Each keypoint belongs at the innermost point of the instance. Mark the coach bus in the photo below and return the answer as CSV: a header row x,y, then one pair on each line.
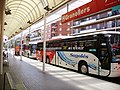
x,y
29,50
94,53
32,53
26,50
17,46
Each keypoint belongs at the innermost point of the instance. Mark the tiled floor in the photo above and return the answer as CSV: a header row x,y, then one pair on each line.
x,y
29,72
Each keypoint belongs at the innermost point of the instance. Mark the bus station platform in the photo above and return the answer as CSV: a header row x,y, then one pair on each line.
x,y
28,75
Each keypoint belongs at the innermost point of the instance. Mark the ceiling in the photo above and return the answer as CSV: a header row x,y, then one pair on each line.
x,y
20,14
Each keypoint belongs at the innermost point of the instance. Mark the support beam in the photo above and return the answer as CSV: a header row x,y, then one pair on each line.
x,y
2,11
44,43
21,47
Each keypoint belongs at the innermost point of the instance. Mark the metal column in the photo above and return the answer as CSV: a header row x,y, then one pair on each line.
x,y
44,43
2,10
21,48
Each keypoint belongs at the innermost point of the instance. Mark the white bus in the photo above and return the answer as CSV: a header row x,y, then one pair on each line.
x,y
94,53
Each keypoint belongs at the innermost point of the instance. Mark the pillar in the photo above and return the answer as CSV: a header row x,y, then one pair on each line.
x,y
2,11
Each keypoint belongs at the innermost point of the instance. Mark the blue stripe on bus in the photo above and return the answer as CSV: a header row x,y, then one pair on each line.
x,y
62,57
69,61
93,66
65,59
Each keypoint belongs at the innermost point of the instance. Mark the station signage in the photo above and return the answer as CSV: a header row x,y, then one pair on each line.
x,y
89,8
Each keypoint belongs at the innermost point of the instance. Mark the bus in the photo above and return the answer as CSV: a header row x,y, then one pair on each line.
x,y
93,53
25,50
17,46
35,36
29,50
32,53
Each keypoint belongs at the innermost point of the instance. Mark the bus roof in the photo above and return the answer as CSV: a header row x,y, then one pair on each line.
x,y
59,38
35,42
94,33
80,35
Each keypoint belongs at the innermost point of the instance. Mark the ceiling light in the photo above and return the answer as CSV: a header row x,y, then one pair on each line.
x,y
16,32
7,11
21,28
29,22
5,23
47,8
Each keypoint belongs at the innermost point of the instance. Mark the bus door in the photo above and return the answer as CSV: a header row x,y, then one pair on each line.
x,y
91,46
104,55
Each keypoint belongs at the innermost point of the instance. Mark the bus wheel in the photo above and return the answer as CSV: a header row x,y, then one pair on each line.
x,y
83,68
47,60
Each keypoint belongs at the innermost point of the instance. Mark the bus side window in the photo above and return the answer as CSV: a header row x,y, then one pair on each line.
x,y
65,47
74,45
88,45
39,46
69,46
91,46
81,45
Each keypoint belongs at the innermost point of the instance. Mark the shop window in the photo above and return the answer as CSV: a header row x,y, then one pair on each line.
x,y
68,29
60,29
68,23
109,13
118,22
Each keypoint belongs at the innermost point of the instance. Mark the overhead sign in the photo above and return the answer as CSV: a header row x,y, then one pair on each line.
x,y
89,8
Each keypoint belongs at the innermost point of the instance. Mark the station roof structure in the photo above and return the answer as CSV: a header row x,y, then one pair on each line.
x,y
20,14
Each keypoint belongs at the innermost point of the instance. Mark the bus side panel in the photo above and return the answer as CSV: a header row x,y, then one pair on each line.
x,y
64,59
53,59
32,50
51,55
26,53
39,55
57,58
115,70
71,60
17,50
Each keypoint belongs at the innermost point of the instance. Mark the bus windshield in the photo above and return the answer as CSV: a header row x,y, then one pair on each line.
x,y
115,47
